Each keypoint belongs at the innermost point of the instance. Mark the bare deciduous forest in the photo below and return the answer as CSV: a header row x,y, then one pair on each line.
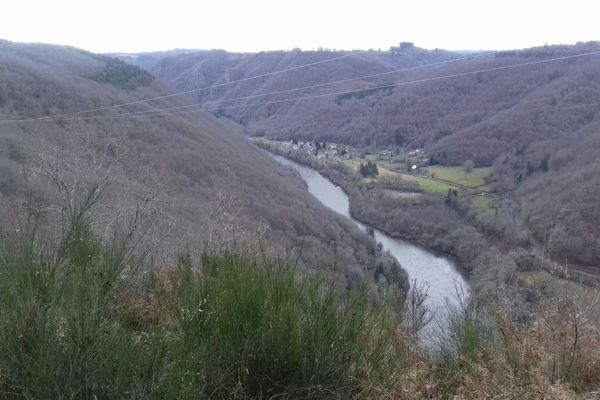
x,y
149,254
204,185
537,125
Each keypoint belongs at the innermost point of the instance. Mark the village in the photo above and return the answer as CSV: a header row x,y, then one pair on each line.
x,y
411,165
414,160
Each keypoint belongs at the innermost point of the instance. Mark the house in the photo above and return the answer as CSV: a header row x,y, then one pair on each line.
x,y
413,168
385,154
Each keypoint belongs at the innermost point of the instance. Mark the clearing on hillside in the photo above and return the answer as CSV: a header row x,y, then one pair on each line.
x,y
458,175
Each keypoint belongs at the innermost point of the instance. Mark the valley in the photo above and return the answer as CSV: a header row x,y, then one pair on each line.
x,y
378,195
410,166
524,114
202,185
436,275
403,223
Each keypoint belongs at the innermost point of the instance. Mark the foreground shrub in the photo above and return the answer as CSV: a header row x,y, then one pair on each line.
x,y
80,320
251,329
232,327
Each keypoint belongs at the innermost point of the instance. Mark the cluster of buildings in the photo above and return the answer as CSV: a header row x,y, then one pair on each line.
x,y
319,149
414,159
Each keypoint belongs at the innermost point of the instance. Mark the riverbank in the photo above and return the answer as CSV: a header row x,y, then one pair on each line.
x,y
467,222
352,190
437,277
434,222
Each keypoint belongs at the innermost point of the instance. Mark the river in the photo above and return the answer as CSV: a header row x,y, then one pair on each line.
x,y
436,273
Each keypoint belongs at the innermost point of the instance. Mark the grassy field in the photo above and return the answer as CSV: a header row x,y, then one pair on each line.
x,y
396,194
384,172
427,185
351,165
457,175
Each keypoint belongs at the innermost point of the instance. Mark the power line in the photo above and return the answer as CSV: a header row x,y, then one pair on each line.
x,y
386,86
412,82
159,112
290,90
318,85
195,90
58,116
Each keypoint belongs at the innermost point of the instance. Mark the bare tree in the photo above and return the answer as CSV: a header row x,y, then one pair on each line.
x,y
468,166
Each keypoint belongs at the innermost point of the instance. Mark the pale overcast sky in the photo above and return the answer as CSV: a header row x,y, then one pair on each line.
x,y
254,25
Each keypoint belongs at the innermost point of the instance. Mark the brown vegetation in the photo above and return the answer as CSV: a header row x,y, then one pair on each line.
x,y
204,185
536,124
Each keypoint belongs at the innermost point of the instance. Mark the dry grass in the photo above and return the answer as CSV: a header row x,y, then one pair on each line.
x,y
459,176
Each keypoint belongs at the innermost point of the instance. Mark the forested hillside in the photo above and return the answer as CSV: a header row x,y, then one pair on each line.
x,y
532,114
477,116
198,185
150,250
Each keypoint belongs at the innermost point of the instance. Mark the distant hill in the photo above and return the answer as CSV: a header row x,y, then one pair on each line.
x,y
148,60
208,185
537,124
477,116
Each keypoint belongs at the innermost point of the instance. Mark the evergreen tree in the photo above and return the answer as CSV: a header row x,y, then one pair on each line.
x,y
362,169
369,170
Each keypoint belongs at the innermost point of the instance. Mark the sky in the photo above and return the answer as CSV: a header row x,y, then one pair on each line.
x,y
256,25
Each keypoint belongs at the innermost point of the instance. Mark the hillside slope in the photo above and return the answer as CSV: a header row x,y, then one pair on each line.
x,y
205,185
477,116
533,114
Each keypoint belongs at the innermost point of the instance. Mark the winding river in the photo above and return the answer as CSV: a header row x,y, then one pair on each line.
x,y
437,274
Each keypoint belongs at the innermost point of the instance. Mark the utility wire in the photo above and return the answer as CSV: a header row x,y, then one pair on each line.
x,y
318,85
193,90
159,112
386,86
53,117
412,82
